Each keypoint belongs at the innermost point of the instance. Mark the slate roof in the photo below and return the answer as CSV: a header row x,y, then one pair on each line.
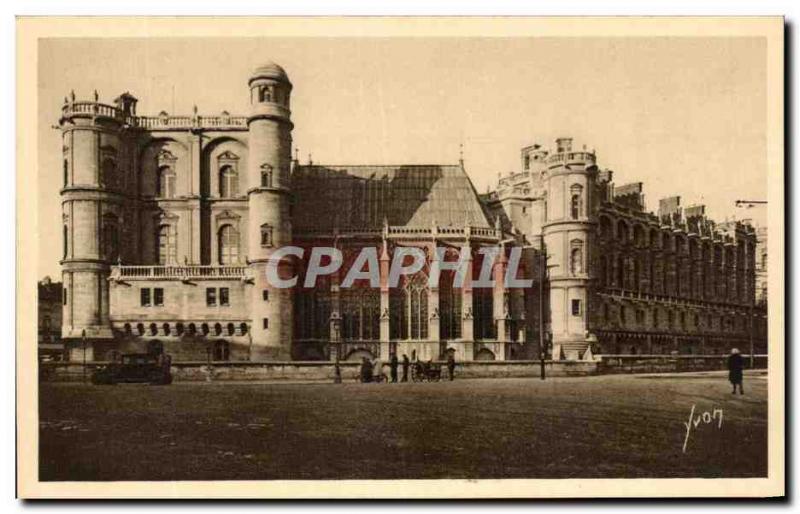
x,y
360,197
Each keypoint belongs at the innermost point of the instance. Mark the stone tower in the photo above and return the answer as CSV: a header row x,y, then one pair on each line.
x,y
269,197
91,197
568,230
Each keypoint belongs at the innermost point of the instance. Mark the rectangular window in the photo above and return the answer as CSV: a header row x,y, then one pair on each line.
x,y
224,296
266,323
145,297
265,295
64,296
576,307
211,296
158,296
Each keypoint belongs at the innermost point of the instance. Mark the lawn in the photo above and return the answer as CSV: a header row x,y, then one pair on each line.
x,y
605,426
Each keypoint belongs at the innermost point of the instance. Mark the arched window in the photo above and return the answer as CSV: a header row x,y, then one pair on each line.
x,y
576,258
449,307
166,182
167,247
409,306
228,240
360,311
266,235
266,175
264,94
228,182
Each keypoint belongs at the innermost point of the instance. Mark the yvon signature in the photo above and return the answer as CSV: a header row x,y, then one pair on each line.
x,y
706,418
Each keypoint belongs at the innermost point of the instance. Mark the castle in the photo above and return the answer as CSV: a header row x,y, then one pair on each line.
x,y
169,222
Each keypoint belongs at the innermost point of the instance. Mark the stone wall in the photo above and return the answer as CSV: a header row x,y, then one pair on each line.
x,y
323,371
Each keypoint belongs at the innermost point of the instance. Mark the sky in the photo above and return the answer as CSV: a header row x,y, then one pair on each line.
x,y
686,116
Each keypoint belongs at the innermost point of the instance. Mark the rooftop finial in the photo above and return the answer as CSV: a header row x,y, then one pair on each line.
x,y
96,96
310,162
461,154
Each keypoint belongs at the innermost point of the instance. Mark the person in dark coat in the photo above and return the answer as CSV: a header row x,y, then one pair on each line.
x,y
406,364
735,365
366,370
393,367
451,365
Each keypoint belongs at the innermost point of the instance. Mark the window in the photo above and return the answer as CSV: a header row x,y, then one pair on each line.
x,y
266,175
64,295
527,162
224,298
622,315
228,182
670,319
266,235
222,351
265,295
683,320
66,173
144,297
158,296
66,241
228,245
576,260
639,316
264,94
409,308
111,239
167,249
575,206
108,172
166,182
360,311
576,307
655,318
265,322
211,296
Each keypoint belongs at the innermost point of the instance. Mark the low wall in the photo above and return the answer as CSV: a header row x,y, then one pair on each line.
x,y
610,364
323,371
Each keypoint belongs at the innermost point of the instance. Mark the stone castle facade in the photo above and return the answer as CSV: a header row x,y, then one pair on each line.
x,y
169,221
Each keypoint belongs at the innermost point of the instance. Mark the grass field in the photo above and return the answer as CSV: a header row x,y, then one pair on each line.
x,y
606,426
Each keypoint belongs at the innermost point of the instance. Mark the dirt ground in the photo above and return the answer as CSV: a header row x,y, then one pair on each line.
x,y
599,427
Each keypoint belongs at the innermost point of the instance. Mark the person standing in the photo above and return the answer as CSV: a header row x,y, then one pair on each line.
x,y
393,367
451,365
406,364
735,365
366,370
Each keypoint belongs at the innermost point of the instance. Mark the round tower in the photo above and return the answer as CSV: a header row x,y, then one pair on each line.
x,y
269,197
90,238
568,231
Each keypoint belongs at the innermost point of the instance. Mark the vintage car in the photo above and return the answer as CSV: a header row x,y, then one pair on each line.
x,y
135,367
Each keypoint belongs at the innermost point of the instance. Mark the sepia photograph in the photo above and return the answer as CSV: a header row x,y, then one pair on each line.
x,y
367,252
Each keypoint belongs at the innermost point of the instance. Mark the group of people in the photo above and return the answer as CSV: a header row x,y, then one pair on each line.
x,y
373,371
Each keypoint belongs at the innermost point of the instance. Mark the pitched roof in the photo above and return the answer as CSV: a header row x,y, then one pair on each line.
x,y
361,197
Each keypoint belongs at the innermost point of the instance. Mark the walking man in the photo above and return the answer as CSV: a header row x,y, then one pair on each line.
x,y
393,367
451,365
406,363
735,365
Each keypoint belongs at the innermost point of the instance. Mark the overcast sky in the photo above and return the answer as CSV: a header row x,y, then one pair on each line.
x,y
686,116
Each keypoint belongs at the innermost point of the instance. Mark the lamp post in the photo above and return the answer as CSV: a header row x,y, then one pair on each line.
x,y
83,343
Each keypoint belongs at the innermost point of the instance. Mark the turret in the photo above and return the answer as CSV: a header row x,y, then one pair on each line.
x,y
270,144
92,217
568,229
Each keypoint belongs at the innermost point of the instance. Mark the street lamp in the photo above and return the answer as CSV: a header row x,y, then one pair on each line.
x,y
83,342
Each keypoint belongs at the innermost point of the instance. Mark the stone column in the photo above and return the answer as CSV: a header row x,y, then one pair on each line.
x,y
384,268
500,303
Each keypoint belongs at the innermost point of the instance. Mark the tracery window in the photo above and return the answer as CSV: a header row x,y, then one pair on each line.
x,y
409,309
313,311
449,307
483,312
360,312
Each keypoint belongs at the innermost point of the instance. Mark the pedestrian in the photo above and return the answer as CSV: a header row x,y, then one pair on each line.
x,y
337,372
406,364
393,367
377,371
366,370
735,365
451,365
